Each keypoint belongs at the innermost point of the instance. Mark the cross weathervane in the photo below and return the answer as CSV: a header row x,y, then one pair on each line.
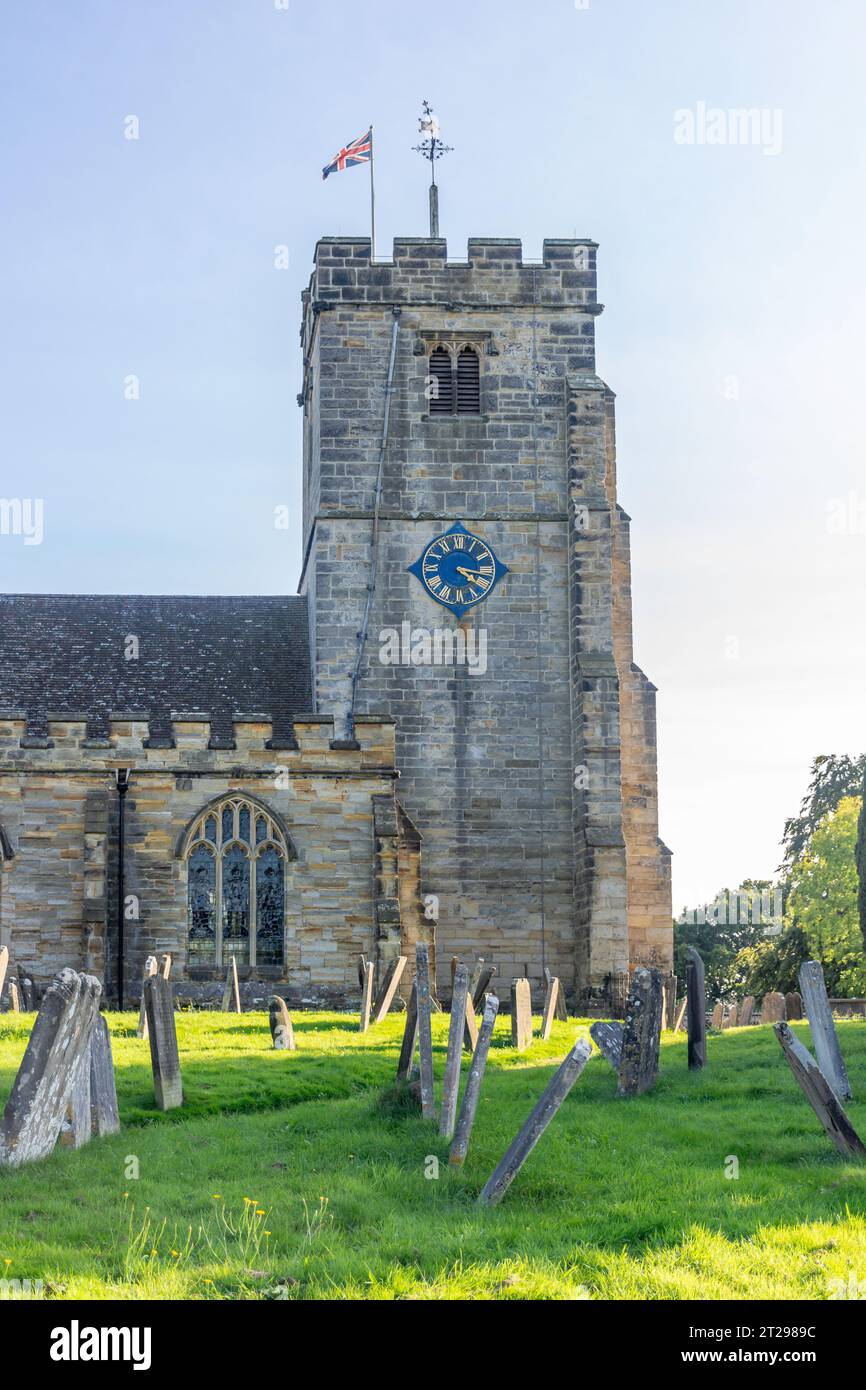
x,y
432,148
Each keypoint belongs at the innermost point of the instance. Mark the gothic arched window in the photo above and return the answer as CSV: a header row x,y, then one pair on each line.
x,y
454,380
236,885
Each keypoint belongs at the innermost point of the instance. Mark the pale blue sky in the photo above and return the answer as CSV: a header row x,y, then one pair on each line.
x,y
155,258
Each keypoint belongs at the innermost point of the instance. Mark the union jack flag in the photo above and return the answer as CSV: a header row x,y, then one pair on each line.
x,y
359,151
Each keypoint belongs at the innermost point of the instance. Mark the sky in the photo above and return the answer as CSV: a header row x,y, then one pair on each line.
x,y
149,325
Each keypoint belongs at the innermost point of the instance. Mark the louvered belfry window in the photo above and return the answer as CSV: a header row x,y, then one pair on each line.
x,y
441,382
454,381
468,382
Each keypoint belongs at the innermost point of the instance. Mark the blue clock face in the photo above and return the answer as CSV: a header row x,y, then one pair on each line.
x,y
458,569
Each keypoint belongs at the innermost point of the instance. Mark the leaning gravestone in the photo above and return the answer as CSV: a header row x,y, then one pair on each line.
x,y
282,1032
773,1007
521,1014
451,1082
718,1016
747,1008
366,997
470,1031
410,1037
608,1039
388,988
543,1112
150,968
730,1019
823,1029
4,966
696,1010
57,1051
551,1003
76,1126
485,975
641,1034
469,1105
164,1058
165,966
681,1013
14,1003
819,1094
425,1039
104,1115
669,1000
793,1006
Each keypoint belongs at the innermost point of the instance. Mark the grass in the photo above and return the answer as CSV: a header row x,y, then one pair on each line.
x,y
292,1175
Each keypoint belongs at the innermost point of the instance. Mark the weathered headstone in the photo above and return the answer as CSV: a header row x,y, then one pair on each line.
x,y
76,1127
823,1029
521,1014
641,1034
164,1058
366,997
282,1032
746,1009
718,1015
470,1031
150,968
25,989
57,1050
696,1010
608,1039
14,1002
231,989
425,1039
819,1094
543,1112
410,1037
773,1007
388,988
451,1081
4,966
104,1114
165,966
560,1011
362,971
730,1019
551,1000
669,1000
793,1006
485,975
681,1013
469,1105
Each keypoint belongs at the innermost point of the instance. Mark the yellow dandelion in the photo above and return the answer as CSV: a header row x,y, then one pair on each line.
x,y
7,1262
260,1211
267,1233
217,1196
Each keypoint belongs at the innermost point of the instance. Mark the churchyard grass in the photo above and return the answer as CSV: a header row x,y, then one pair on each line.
x,y
299,1175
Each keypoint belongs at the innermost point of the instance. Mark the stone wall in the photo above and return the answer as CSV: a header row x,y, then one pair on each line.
x,y
58,806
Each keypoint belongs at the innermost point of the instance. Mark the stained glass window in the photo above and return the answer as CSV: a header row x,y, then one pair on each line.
x,y
236,891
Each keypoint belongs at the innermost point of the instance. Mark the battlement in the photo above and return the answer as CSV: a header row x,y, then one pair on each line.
x,y
494,273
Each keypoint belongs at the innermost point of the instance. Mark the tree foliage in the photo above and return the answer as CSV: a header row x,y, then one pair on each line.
x,y
823,900
774,963
834,776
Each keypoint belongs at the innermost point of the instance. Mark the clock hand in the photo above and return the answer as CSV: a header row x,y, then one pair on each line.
x,y
468,574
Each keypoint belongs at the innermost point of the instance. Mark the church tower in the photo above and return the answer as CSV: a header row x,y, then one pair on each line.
x,y
466,565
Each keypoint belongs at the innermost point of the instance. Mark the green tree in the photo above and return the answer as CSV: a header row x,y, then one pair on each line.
x,y
860,861
823,901
719,932
774,963
834,776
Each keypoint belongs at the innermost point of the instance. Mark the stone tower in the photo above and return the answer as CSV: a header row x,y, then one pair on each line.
x,y
440,392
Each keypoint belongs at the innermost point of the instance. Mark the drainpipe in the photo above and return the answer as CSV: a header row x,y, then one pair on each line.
x,y
122,775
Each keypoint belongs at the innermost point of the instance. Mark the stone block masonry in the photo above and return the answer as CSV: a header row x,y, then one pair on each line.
x,y
532,784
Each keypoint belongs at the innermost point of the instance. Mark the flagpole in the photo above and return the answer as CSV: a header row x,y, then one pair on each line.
x,y
372,203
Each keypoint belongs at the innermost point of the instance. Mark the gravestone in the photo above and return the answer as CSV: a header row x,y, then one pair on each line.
x,y
362,971
608,1039
57,1050
14,1002
669,1000
282,1032
730,1019
819,1094
823,1029
551,1001
521,1014
410,1037
164,1058
747,1008
718,1016
165,966
793,1006
425,1040
76,1127
466,1118
681,1013
25,989
485,975
696,1010
451,1082
388,988
104,1114
4,966
150,968
773,1007
543,1112
232,989
366,997
641,1034
470,1031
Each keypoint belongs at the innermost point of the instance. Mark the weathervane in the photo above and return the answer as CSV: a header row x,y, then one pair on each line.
x,y
431,148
